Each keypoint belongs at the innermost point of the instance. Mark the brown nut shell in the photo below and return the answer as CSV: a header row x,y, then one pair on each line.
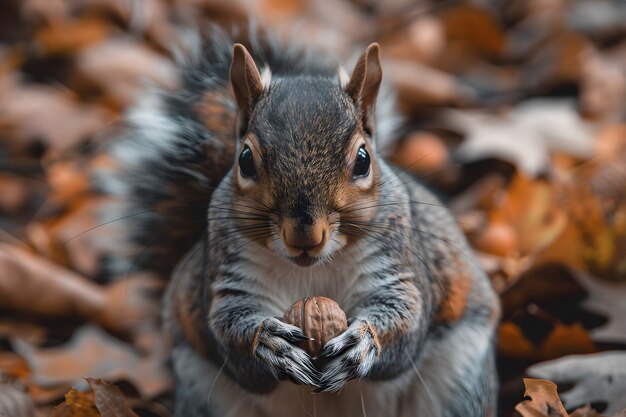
x,y
320,318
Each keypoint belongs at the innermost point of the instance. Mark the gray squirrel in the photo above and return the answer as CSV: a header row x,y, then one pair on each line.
x,y
260,183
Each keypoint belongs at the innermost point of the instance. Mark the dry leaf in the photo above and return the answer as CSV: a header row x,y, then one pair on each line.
x,y
109,399
92,352
26,116
512,343
121,69
77,404
13,366
597,377
80,236
566,340
71,36
525,136
608,299
544,400
123,307
60,292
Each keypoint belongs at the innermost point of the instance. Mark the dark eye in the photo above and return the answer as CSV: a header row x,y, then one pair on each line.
x,y
246,163
362,163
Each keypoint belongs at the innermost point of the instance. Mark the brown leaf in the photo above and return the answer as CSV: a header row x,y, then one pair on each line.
x,y
12,365
26,117
59,292
421,86
472,33
70,36
109,399
15,193
122,307
120,69
512,343
91,351
77,404
77,237
544,400
566,340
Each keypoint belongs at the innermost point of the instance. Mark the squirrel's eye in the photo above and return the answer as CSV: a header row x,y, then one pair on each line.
x,y
362,163
246,163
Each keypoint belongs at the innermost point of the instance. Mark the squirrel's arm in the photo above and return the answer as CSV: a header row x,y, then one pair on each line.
x,y
385,334
259,349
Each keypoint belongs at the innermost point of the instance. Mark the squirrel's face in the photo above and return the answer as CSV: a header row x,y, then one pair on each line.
x,y
306,175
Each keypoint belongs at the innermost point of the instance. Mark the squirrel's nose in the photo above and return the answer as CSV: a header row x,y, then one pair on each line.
x,y
299,240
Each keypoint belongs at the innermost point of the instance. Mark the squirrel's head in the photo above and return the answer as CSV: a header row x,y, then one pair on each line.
x,y
306,176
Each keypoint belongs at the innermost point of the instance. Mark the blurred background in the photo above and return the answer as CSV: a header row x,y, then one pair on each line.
x,y
514,110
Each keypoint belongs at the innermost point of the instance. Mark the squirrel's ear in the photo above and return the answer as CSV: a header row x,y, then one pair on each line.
x,y
364,84
246,82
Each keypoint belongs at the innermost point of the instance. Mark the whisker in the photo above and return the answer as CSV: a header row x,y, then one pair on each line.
x,y
362,401
105,223
426,388
219,372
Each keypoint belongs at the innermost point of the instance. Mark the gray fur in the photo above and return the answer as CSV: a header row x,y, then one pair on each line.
x,y
232,355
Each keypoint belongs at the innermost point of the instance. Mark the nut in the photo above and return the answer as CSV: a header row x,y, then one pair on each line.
x,y
320,318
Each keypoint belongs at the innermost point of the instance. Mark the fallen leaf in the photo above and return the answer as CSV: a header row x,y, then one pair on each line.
x,y
69,36
544,400
80,236
27,119
597,377
60,292
565,340
92,352
524,136
13,366
608,299
512,343
122,307
77,404
120,68
109,399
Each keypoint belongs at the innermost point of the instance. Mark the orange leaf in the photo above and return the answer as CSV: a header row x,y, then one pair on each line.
x,y
76,404
512,343
544,400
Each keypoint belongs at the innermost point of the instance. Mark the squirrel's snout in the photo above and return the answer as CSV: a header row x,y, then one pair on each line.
x,y
308,240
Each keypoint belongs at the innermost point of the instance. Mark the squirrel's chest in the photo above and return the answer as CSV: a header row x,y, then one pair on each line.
x,y
282,283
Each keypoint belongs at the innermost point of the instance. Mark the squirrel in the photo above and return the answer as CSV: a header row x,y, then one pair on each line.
x,y
259,182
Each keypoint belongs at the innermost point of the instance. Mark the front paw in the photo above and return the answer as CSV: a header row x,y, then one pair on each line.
x,y
351,355
273,345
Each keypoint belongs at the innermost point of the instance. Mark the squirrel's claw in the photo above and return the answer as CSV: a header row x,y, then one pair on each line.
x,y
272,345
353,355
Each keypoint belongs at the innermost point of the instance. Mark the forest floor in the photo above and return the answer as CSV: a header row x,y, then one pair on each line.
x,y
515,112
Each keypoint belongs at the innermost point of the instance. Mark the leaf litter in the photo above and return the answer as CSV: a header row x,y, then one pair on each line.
x,y
514,112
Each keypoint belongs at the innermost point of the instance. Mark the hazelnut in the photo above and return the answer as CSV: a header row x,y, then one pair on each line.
x,y
320,318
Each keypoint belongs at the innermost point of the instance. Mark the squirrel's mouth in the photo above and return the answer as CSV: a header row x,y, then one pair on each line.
x,y
304,259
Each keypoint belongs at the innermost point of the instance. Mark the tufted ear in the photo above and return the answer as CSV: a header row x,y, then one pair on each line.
x,y
364,84
246,82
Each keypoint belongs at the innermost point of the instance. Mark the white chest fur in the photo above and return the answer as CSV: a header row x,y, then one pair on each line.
x,y
344,279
